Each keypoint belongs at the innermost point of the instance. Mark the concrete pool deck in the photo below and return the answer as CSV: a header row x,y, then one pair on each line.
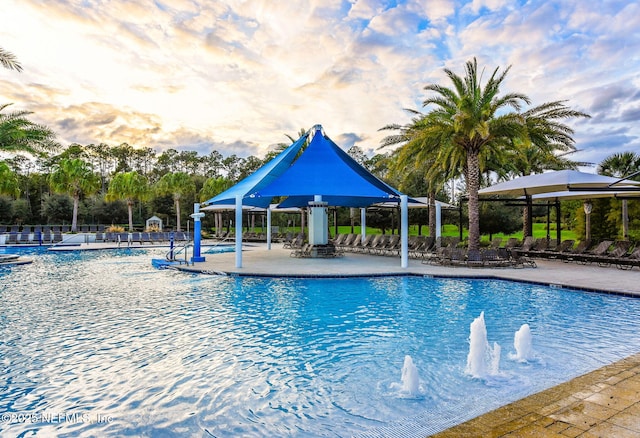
x,y
602,403
258,260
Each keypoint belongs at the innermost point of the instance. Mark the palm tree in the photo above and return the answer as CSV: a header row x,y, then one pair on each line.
x,y
178,185
472,129
9,184
9,60
212,187
75,178
621,165
130,186
417,157
469,123
17,133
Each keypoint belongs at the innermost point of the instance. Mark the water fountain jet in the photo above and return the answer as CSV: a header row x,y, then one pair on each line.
x,y
522,343
482,359
410,378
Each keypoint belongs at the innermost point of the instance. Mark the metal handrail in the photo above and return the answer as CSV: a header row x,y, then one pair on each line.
x,y
172,253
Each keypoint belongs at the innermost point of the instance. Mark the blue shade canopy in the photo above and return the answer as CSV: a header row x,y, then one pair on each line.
x,y
260,178
325,169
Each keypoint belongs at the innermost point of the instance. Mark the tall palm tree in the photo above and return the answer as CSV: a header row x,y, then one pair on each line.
x,y
468,123
178,185
9,60
9,184
212,187
17,133
621,165
472,129
417,157
130,186
75,178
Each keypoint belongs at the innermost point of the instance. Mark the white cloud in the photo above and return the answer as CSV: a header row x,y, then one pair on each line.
x,y
245,72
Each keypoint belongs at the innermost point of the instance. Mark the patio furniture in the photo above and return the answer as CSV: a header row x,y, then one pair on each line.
x,y
475,258
598,251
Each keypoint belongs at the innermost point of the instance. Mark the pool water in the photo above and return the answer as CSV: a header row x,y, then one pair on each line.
x,y
99,343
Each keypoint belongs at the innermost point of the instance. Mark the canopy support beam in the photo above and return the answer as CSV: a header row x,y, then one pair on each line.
x,y
238,231
404,231
269,228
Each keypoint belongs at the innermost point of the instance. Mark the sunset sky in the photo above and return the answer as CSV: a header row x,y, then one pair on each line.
x,y
237,75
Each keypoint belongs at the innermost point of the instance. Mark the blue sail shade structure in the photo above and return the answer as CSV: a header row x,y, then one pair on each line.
x,y
260,178
322,172
326,170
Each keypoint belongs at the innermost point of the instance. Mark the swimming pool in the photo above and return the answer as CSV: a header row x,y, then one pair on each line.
x,y
100,343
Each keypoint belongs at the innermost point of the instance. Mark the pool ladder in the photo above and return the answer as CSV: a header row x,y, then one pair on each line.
x,y
172,254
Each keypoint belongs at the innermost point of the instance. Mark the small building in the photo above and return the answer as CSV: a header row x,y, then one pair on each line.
x,y
154,223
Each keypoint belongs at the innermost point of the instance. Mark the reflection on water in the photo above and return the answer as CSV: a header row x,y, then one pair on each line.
x,y
99,343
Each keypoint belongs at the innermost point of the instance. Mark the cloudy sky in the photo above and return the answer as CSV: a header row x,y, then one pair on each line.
x,y
237,75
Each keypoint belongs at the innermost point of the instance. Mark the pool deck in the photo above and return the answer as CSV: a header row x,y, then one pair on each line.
x,y
257,260
602,403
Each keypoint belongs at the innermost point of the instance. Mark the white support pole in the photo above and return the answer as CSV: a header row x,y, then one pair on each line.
x,y
238,231
404,230
268,227
438,220
363,224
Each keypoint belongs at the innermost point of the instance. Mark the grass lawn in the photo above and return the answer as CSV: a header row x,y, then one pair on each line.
x,y
539,230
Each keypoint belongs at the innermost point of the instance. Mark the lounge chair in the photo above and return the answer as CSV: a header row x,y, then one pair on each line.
x,y
421,246
437,256
347,241
360,245
630,260
505,255
521,260
527,244
378,244
25,238
490,257
286,242
294,242
458,257
538,247
568,256
122,238
495,243
303,251
598,252
475,258
512,242
337,241
564,247
11,238
145,237
46,236
135,237
354,243
620,250
450,241
393,246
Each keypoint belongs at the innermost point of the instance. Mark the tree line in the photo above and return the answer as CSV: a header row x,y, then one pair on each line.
x,y
470,132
